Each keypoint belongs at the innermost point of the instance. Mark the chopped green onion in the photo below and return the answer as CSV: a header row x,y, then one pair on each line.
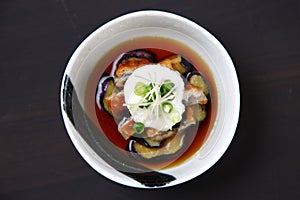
x,y
151,98
171,97
175,116
163,90
158,97
167,107
169,84
151,86
141,89
138,127
166,87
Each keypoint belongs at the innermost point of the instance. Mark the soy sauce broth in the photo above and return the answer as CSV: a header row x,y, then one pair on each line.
x,y
162,48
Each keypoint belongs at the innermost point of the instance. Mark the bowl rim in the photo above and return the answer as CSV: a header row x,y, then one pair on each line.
x,y
82,146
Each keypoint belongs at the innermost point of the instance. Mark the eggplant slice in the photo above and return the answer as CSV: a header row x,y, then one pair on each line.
x,y
139,53
170,146
105,89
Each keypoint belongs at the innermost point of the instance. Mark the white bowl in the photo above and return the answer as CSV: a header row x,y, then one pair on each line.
x,y
80,120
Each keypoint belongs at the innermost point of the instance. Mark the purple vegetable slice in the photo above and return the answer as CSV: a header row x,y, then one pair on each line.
x,y
187,64
139,53
104,90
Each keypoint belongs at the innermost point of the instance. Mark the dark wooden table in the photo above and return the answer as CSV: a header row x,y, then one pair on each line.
x,y
37,158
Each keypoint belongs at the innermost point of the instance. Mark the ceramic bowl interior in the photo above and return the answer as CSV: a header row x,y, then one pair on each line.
x,y
99,49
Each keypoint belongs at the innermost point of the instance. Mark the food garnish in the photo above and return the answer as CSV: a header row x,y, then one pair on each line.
x,y
154,102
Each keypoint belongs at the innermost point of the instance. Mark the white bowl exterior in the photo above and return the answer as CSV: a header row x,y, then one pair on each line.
x,y
162,24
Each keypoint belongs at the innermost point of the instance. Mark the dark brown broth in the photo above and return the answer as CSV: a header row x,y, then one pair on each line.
x,y
194,141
